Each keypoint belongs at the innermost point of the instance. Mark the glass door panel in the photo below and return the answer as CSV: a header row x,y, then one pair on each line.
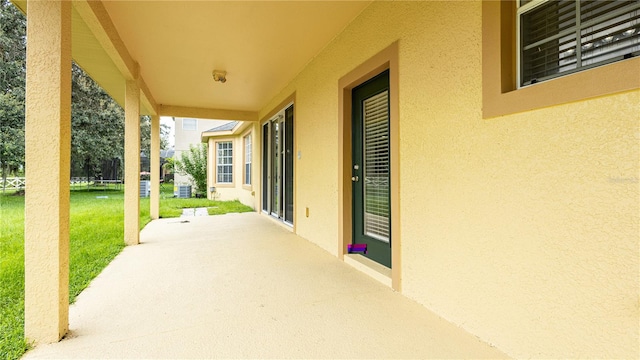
x,y
275,168
288,165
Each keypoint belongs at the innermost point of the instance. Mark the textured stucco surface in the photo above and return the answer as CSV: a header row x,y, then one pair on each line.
x,y
186,138
522,229
132,165
237,190
48,151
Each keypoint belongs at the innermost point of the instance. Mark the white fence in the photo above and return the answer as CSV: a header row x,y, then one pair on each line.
x,y
18,183
15,183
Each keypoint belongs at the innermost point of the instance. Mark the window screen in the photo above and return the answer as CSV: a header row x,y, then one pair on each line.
x,y
562,37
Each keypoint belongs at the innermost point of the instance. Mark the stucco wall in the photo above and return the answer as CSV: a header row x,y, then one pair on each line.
x,y
521,229
184,138
237,190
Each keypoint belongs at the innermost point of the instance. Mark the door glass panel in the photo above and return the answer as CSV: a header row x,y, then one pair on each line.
x,y
288,165
265,167
275,167
376,166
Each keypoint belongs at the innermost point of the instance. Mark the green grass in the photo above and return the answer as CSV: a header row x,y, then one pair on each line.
x,y
12,344
172,207
96,237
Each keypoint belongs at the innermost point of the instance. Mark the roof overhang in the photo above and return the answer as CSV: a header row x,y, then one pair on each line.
x,y
240,128
170,48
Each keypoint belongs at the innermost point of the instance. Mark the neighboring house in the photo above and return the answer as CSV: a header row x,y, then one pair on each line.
x,y
187,132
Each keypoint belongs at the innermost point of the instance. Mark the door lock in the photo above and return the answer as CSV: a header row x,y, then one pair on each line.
x,y
354,178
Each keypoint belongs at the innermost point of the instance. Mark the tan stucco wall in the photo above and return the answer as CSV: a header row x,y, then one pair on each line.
x,y
237,190
184,138
521,229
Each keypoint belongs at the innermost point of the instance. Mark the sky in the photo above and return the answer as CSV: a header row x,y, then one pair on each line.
x,y
168,120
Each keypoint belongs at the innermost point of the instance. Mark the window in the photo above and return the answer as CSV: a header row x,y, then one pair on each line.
x,y
189,124
247,160
502,91
560,37
224,161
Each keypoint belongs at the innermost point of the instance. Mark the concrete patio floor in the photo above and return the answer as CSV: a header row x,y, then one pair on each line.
x,y
240,286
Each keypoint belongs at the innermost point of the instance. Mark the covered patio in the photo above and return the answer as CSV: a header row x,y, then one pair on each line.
x,y
248,289
509,209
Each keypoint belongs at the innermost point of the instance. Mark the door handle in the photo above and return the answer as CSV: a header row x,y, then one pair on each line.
x,y
354,178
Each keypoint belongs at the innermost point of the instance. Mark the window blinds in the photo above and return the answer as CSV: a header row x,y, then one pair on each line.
x,y
565,36
376,166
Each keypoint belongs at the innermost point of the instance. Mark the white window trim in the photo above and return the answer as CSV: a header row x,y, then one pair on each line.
x,y
218,143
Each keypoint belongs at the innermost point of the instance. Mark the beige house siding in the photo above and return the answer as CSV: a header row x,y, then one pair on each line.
x,y
522,229
184,138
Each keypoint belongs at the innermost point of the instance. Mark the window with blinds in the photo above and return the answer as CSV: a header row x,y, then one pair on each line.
x,y
560,37
376,166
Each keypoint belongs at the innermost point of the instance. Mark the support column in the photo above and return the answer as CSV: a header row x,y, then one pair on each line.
x,y
132,164
155,167
48,157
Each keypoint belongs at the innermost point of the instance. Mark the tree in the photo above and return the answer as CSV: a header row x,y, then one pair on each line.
x,y
194,164
97,125
13,49
12,87
97,121
145,135
168,165
97,131
11,135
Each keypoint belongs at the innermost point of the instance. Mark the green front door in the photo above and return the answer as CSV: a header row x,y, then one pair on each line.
x,y
371,168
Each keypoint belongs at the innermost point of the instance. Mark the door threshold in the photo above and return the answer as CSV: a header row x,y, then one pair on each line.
x,y
369,267
278,221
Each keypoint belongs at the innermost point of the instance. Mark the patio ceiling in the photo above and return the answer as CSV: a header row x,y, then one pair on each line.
x,y
175,46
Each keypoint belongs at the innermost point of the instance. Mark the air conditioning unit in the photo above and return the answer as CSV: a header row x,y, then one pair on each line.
x,y
182,191
145,188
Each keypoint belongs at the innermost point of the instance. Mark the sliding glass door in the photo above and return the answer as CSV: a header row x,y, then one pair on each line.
x,y
277,166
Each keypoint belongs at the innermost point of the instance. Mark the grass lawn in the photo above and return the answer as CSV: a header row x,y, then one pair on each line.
x,y
96,237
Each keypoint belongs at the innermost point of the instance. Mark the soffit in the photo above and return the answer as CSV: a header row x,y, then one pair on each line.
x,y
175,46
262,45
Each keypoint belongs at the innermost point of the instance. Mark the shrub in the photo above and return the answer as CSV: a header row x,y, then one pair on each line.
x,y
194,164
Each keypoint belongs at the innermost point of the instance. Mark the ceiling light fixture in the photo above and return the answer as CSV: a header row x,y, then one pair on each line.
x,y
219,75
